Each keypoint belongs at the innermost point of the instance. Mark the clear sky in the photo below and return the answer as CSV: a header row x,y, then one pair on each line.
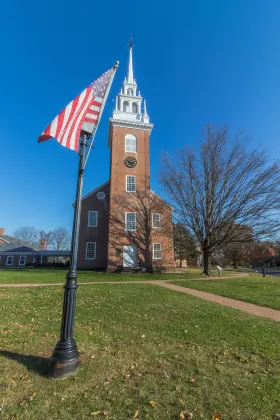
x,y
195,62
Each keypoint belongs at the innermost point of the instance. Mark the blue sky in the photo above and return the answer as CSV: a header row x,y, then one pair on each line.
x,y
195,62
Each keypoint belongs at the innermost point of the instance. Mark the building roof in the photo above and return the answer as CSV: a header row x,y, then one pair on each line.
x,y
8,243
16,248
53,253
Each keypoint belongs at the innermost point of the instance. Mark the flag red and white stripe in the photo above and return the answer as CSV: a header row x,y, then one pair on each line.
x,y
66,127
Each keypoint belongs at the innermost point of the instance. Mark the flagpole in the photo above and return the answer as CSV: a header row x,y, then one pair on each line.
x,y
101,109
65,358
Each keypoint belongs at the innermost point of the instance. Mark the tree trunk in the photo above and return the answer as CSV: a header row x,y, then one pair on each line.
x,y
235,264
181,262
206,262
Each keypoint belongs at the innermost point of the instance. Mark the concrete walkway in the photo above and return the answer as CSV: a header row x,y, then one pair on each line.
x,y
250,308
122,282
232,303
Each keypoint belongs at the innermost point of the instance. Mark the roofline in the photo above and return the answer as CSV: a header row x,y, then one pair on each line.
x,y
172,208
35,253
5,240
93,191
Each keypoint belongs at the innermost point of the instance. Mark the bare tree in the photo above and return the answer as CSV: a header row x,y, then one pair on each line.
x,y
45,240
27,234
222,187
61,238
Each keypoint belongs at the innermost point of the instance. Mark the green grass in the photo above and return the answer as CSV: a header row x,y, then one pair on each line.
x,y
264,291
34,275
138,343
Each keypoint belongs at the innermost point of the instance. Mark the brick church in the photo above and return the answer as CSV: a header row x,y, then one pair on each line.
x,y
124,224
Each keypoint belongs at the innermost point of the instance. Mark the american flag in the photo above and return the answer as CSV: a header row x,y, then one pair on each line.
x,y
66,127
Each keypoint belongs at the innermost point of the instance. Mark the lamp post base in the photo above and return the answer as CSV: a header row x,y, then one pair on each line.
x,y
65,359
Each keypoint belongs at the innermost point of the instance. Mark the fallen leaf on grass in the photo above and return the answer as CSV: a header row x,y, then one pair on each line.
x,y
192,380
136,414
32,395
12,381
99,413
153,403
184,415
216,416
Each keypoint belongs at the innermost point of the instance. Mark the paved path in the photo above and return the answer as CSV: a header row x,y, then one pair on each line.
x,y
121,282
232,303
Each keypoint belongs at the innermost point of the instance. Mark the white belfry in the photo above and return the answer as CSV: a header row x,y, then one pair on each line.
x,y
129,102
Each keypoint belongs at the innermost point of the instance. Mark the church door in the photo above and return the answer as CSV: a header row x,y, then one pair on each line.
x,y
130,256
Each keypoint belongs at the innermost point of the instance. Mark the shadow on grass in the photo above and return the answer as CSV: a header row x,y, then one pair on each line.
x,y
37,364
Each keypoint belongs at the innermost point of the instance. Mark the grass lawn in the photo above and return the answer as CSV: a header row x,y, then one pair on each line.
x,y
264,291
34,275
145,350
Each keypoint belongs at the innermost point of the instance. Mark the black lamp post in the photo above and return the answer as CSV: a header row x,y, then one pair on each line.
x,y
65,358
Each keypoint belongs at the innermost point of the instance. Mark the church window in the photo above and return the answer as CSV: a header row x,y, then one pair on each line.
x,y
130,183
130,91
134,108
157,255
90,250
125,106
92,218
130,221
130,143
156,220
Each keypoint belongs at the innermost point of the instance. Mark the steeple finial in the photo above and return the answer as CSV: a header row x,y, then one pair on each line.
x,y
130,66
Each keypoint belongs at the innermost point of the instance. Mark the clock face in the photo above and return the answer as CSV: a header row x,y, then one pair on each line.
x,y
130,162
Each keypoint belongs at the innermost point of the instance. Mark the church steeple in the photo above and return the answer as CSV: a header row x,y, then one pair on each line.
x,y
130,65
129,101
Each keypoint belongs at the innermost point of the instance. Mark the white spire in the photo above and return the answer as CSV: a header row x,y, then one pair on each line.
x,y
130,65
129,101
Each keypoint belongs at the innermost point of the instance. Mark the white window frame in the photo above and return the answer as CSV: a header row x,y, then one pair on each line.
x,y
128,147
158,221
126,221
7,259
158,250
88,258
130,184
22,256
96,218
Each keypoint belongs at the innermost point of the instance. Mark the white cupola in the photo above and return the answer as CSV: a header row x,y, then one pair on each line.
x,y
129,102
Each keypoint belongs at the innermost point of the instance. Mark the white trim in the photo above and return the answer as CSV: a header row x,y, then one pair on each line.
x,y
10,256
156,214
157,258
22,256
126,183
126,213
94,250
96,218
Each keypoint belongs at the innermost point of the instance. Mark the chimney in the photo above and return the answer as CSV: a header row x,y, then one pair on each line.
x,y
2,231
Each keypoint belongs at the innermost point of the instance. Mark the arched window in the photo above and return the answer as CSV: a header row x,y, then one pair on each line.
x,y
130,143
130,91
134,108
125,106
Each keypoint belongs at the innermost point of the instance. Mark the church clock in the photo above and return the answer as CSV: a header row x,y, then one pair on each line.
x,y
130,162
